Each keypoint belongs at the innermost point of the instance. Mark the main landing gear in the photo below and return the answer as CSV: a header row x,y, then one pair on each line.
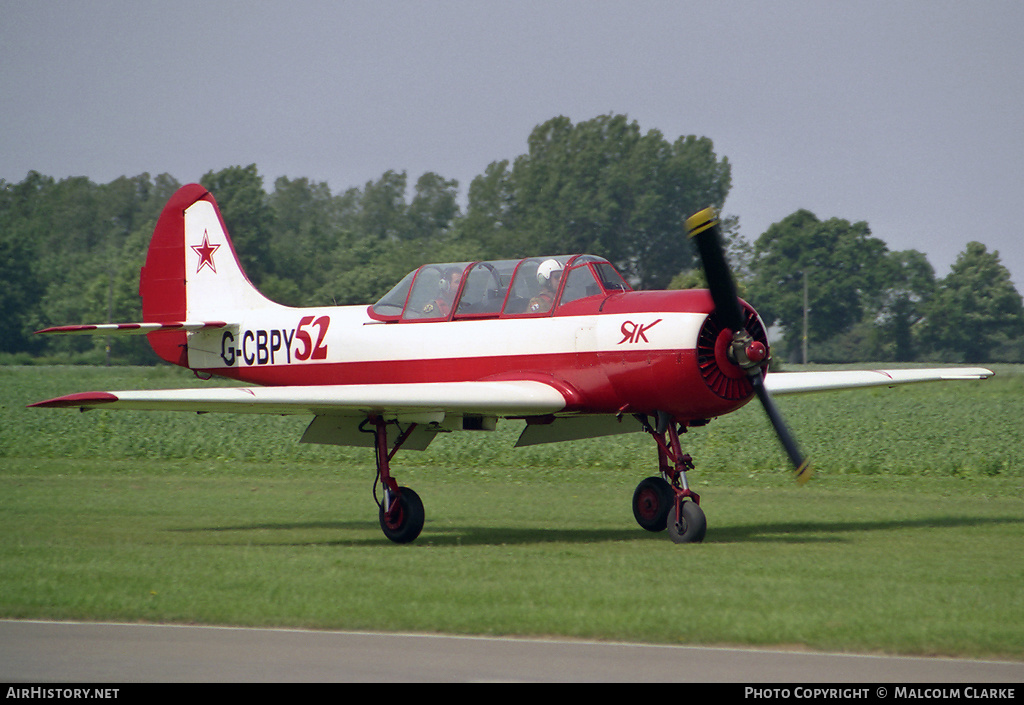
x,y
401,510
659,503
667,502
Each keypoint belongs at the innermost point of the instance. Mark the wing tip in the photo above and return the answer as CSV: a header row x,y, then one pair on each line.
x,y
80,400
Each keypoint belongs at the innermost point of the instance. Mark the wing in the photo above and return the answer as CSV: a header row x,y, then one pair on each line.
x,y
339,411
502,398
796,382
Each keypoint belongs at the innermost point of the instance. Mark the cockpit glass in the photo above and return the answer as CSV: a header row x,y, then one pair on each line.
x,y
391,303
485,288
535,285
433,293
610,278
579,284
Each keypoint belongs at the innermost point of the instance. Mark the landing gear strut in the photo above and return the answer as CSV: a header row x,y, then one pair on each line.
x,y
401,510
667,502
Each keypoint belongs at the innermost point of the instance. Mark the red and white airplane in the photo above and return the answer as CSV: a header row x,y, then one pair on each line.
x,y
561,342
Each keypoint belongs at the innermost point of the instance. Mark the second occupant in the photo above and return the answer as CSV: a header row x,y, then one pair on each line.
x,y
548,275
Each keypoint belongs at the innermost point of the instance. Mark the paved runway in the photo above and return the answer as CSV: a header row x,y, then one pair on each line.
x,y
69,652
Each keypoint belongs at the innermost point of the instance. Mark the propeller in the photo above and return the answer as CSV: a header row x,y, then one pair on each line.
x,y
747,353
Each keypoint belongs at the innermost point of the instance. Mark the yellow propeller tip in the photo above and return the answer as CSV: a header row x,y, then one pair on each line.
x,y
701,221
804,472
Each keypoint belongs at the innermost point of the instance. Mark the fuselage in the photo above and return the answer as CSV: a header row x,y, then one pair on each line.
x,y
623,352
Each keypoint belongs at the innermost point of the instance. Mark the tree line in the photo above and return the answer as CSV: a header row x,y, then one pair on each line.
x,y
71,249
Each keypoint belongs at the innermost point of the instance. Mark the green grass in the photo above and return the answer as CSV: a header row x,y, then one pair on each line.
x,y
907,540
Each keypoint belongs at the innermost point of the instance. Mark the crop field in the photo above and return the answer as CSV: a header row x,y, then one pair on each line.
x,y
908,539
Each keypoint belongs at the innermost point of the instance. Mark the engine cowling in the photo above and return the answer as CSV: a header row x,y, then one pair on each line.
x,y
721,373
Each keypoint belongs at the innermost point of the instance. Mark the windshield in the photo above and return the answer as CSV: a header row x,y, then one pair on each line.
x,y
392,303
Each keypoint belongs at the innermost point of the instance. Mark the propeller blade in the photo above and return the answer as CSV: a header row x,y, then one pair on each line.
x,y
800,462
704,228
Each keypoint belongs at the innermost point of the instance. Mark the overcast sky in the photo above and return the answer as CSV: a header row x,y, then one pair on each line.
x,y
908,115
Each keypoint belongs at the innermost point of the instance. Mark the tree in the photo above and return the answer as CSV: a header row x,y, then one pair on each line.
x,y
306,227
381,211
86,244
434,207
490,216
380,236
19,294
844,269
911,286
600,186
247,215
976,313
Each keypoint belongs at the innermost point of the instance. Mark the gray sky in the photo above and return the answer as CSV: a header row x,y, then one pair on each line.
x,y
907,115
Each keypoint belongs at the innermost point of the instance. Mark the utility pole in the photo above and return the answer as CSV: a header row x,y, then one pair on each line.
x,y
110,304
805,318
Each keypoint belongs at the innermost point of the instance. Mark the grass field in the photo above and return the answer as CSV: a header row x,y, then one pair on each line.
x,y
907,541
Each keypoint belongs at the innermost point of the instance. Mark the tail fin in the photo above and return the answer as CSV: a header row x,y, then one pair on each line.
x,y
192,272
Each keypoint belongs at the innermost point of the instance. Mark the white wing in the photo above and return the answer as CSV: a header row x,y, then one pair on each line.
x,y
503,398
339,411
795,382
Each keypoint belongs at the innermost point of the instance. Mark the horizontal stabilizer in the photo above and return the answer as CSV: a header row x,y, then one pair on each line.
x,y
132,328
819,381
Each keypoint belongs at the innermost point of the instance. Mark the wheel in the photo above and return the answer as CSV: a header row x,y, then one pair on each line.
x,y
652,501
692,527
406,522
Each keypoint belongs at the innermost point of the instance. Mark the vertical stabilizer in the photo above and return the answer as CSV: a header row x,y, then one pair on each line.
x,y
192,272
215,284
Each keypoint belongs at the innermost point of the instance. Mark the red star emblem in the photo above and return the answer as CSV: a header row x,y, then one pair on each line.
x,y
205,252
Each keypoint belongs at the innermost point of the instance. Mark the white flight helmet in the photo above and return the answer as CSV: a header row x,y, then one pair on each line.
x,y
546,269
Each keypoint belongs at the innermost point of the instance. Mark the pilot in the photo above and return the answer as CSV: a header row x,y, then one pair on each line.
x,y
448,287
548,275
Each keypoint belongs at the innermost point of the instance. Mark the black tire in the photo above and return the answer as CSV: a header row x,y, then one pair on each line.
x,y
692,527
406,523
652,501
